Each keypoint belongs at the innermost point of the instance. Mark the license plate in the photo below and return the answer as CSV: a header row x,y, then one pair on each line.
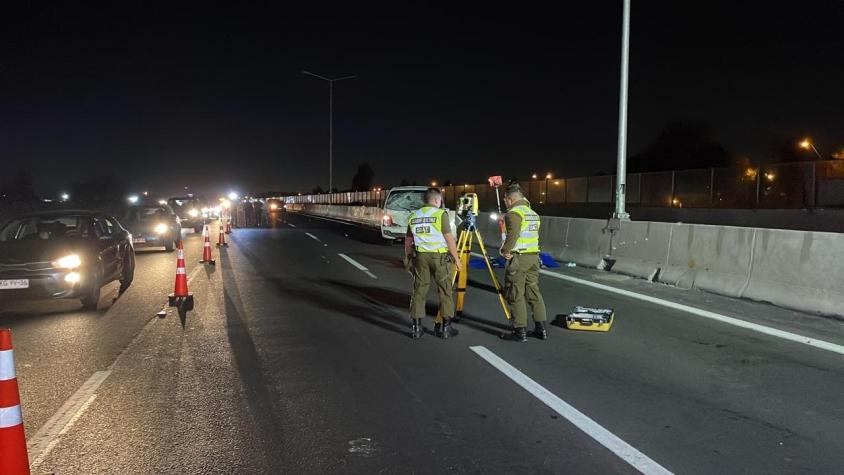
x,y
14,284
139,240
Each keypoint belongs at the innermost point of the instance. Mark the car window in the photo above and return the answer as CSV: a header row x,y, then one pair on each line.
x,y
46,228
405,200
104,227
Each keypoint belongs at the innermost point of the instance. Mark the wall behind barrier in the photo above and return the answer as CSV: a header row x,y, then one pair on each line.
x,y
800,270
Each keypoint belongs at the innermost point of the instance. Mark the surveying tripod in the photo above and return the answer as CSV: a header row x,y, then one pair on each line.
x,y
468,210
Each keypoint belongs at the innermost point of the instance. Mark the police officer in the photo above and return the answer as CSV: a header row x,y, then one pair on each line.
x,y
428,244
521,275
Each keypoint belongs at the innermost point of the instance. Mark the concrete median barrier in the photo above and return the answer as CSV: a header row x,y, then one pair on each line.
x,y
586,243
798,269
640,249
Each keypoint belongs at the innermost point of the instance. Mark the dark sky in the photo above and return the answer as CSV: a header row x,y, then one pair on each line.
x,y
213,96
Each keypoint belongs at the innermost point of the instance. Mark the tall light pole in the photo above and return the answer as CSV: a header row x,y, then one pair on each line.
x,y
621,170
331,82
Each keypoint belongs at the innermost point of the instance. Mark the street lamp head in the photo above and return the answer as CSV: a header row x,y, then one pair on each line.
x,y
805,144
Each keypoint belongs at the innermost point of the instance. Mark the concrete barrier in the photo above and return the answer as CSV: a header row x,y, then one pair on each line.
x,y
793,269
798,269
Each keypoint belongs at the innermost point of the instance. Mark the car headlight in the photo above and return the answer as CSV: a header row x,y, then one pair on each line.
x,y
161,228
273,206
193,213
68,262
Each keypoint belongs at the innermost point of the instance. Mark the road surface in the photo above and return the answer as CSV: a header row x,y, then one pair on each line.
x,y
297,360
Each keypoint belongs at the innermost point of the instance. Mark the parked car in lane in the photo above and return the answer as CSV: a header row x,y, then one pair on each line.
x,y
64,254
152,226
400,202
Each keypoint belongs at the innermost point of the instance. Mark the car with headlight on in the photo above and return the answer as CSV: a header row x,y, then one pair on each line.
x,y
190,210
152,226
64,254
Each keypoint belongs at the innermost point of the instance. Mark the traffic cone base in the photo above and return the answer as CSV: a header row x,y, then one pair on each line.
x,y
13,457
221,239
184,302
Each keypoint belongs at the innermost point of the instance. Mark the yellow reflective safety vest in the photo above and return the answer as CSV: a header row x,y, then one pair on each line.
x,y
426,224
528,241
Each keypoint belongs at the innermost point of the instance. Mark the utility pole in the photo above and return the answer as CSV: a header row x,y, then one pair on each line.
x,y
331,82
621,169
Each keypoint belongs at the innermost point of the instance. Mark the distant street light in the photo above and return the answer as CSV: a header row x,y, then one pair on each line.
x,y
232,195
548,176
621,171
433,183
534,176
806,144
65,196
331,82
133,199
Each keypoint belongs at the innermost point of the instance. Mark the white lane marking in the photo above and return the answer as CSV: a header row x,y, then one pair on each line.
x,y
10,416
622,449
7,365
49,435
785,335
291,225
312,237
770,331
358,265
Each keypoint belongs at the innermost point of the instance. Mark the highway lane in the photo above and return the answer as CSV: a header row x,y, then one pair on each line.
x,y
58,346
298,361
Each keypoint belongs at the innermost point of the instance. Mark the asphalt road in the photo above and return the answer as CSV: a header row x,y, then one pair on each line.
x,y
296,360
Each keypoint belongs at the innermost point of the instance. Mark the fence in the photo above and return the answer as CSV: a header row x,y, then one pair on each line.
x,y
817,184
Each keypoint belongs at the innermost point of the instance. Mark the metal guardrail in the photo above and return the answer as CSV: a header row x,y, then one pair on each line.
x,y
798,185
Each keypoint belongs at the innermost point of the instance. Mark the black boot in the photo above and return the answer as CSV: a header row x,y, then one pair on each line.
x,y
438,330
416,329
447,330
518,334
540,331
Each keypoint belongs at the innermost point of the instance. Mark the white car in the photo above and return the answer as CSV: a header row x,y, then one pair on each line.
x,y
400,202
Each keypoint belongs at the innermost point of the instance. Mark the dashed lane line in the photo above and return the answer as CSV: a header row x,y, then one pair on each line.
x,y
357,265
620,448
312,237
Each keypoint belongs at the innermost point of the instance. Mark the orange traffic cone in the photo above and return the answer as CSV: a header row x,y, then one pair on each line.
x,y
13,457
228,222
207,258
180,296
221,238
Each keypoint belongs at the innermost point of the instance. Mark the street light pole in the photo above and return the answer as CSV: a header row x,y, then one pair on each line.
x,y
330,122
621,170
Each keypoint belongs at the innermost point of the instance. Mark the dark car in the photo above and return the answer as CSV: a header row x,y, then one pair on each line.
x,y
62,255
152,226
189,211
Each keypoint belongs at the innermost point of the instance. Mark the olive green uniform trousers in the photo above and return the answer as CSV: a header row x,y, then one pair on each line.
x,y
427,267
521,288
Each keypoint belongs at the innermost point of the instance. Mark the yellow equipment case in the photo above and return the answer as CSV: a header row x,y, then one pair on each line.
x,y
590,319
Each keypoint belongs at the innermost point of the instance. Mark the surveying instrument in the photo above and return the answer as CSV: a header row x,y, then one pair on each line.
x,y
467,210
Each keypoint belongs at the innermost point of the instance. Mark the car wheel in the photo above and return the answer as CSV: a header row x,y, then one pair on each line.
x,y
92,299
197,229
169,246
128,272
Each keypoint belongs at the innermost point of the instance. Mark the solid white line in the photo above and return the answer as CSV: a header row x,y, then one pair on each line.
x,y
312,237
794,337
770,331
40,444
7,365
358,265
622,449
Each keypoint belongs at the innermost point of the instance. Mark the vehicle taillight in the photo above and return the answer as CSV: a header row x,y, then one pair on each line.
x,y
387,220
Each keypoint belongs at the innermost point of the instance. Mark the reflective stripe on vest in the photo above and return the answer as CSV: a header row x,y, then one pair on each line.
x,y
426,224
528,241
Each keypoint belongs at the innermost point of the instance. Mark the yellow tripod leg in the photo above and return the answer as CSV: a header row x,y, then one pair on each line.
x,y
495,282
459,269
463,273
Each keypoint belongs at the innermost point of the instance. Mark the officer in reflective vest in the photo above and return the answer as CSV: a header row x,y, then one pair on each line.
x,y
521,275
428,244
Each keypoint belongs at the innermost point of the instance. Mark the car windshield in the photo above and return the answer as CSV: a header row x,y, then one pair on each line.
x,y
185,204
405,200
146,213
46,228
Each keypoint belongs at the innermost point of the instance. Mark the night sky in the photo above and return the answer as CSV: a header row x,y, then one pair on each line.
x,y
213,97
